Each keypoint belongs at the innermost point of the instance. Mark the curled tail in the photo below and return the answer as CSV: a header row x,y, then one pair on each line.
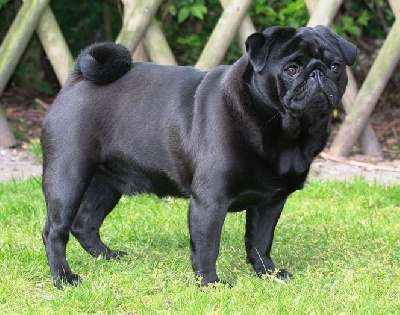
x,y
103,63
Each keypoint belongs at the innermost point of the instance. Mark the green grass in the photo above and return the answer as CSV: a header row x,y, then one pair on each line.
x,y
341,241
35,149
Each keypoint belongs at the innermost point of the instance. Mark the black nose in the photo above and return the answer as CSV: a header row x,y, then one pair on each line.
x,y
316,74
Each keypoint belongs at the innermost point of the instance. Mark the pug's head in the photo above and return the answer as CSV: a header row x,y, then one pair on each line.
x,y
300,73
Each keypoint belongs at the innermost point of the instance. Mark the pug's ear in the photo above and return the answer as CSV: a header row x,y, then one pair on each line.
x,y
349,51
257,49
258,44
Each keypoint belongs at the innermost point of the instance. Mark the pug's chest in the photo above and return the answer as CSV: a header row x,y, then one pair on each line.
x,y
291,161
264,187
269,191
278,185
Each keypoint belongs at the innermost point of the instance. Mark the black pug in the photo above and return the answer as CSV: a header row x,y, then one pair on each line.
x,y
239,137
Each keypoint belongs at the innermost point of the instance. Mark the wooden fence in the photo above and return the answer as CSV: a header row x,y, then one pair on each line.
x,y
140,26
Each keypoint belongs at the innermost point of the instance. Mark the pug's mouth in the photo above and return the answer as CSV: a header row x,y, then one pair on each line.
x,y
308,98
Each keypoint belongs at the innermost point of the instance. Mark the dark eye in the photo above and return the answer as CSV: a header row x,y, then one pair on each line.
x,y
335,67
291,70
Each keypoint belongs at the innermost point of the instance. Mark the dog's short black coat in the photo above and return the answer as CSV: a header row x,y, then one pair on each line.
x,y
239,137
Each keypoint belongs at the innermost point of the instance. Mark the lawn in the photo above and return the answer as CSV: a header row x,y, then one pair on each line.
x,y
340,240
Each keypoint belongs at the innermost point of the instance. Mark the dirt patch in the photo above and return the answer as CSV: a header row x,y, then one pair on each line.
x,y
18,164
387,172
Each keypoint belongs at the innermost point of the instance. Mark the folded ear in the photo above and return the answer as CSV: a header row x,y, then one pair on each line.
x,y
349,50
258,44
254,44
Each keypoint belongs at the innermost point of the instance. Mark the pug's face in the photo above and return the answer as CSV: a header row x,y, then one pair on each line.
x,y
299,73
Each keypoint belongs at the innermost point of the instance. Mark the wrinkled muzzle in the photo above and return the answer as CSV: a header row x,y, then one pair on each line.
x,y
315,93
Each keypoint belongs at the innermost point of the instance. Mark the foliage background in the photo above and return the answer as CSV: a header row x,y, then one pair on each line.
x,y
187,25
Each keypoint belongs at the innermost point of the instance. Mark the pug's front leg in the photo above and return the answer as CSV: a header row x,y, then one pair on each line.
x,y
205,226
260,227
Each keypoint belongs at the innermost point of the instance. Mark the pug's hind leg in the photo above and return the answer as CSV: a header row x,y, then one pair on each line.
x,y
63,190
260,227
98,201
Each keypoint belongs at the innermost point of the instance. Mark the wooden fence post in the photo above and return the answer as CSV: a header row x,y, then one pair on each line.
x,y
54,45
246,28
18,37
324,12
369,143
223,33
157,46
7,139
395,5
136,24
369,93
11,51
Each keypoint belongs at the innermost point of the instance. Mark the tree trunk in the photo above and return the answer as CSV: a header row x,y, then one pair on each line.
x,y
223,33
370,91
11,51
